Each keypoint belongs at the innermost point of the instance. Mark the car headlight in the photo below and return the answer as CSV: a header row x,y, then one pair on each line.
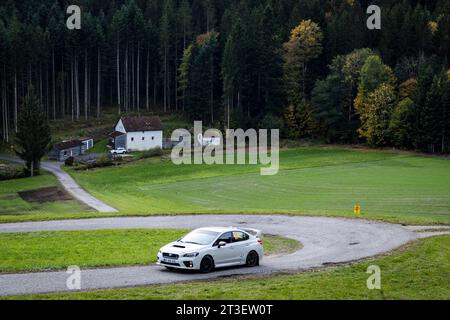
x,y
191,255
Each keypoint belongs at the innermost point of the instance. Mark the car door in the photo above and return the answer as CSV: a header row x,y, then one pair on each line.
x,y
240,243
223,255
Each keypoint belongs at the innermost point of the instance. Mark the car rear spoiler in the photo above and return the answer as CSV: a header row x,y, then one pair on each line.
x,y
254,232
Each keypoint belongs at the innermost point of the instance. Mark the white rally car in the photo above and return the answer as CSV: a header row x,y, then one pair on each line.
x,y
208,248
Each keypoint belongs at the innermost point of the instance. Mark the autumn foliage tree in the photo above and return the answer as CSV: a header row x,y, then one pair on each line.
x,y
304,45
400,125
375,101
376,117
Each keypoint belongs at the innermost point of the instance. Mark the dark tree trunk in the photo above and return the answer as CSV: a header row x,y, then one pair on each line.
x,y
99,79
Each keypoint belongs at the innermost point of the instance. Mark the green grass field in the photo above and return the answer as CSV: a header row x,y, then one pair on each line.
x,y
55,250
315,181
421,270
318,181
14,207
394,187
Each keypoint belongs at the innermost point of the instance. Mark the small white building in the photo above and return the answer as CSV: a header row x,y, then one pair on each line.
x,y
87,142
137,134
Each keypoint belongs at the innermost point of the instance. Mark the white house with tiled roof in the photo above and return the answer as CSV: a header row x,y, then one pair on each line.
x,y
137,133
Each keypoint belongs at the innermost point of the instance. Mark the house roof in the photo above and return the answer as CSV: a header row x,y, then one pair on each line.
x,y
85,138
116,134
67,145
134,124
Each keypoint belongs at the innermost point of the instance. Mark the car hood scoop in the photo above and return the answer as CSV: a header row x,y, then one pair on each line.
x,y
178,246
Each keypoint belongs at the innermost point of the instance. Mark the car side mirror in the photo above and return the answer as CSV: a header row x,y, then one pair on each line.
x,y
222,244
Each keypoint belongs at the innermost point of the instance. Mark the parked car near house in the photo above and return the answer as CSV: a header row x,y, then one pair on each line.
x,y
119,151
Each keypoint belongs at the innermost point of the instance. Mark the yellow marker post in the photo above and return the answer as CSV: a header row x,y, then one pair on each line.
x,y
357,209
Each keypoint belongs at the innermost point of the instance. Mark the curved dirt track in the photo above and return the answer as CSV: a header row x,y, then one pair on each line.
x,y
325,241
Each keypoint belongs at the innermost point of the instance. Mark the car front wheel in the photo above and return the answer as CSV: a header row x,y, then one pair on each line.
x,y
252,259
207,264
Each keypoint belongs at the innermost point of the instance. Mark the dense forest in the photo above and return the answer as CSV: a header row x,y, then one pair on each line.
x,y
309,67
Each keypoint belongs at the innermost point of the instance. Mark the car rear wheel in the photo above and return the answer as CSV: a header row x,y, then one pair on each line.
x,y
252,259
207,264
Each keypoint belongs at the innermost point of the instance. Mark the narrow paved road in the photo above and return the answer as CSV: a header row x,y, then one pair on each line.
x,y
70,185
326,241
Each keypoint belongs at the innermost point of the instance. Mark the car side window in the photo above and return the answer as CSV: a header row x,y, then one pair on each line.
x,y
240,236
226,237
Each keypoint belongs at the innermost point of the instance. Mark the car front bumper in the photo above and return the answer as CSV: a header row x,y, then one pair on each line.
x,y
180,263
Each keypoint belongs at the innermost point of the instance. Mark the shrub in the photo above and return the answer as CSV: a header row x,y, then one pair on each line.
x,y
271,121
104,161
8,172
156,152
69,161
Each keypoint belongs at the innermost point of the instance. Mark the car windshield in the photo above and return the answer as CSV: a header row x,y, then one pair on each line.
x,y
201,237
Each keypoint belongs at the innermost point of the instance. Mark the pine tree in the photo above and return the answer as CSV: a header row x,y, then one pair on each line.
x,y
230,73
436,114
16,43
204,78
270,61
422,103
185,20
33,136
4,49
184,72
345,29
152,58
328,99
100,43
165,28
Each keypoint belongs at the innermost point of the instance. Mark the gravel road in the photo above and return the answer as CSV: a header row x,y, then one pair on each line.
x,y
326,241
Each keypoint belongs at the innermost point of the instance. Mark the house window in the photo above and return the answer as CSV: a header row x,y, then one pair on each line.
x,y
153,138
143,138
65,152
132,139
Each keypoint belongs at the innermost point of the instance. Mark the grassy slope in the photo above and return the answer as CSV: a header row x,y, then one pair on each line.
x,y
319,181
12,205
420,270
311,180
38,251
99,147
